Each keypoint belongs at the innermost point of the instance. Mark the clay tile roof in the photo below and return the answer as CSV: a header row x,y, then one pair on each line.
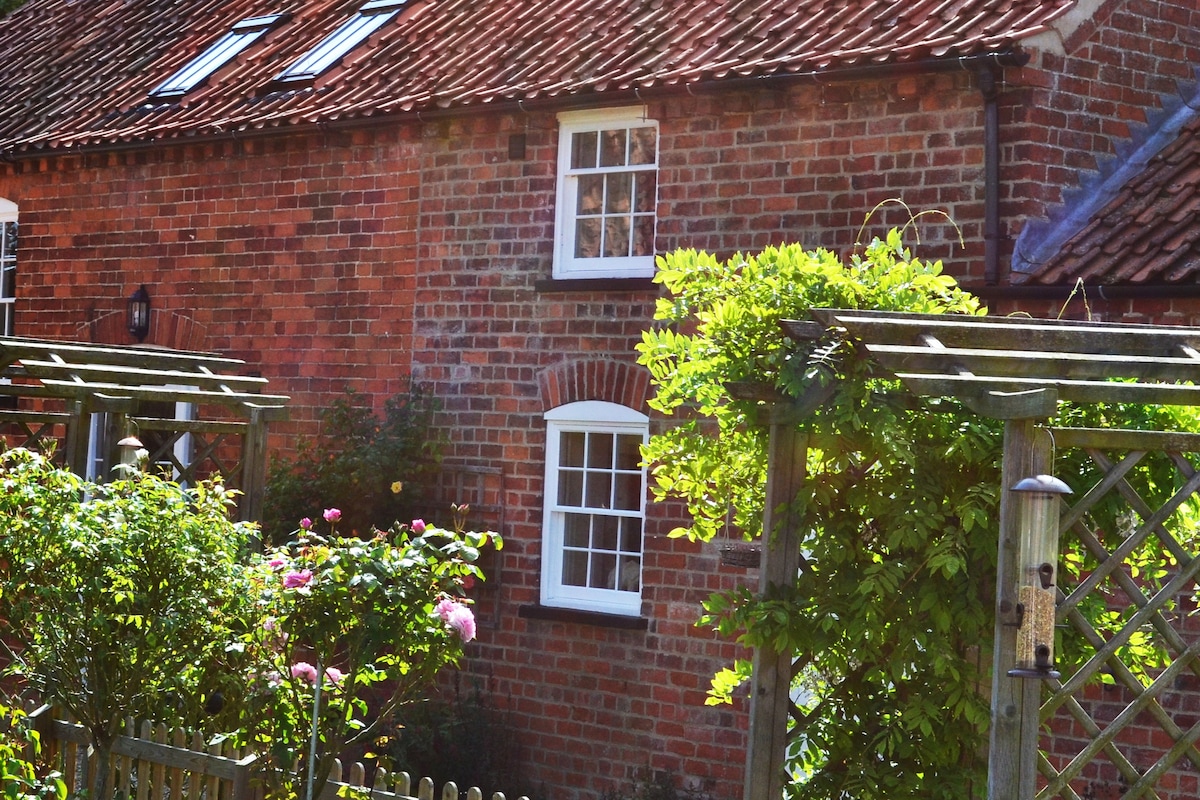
x,y
76,73
1139,221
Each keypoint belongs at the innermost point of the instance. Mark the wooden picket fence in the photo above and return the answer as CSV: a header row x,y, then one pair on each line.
x,y
151,762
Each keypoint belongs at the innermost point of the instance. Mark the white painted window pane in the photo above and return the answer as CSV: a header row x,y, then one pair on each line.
x,y
595,511
608,195
217,55
333,47
8,276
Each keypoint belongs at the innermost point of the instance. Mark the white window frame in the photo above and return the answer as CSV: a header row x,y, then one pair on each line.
x,y
8,266
567,265
372,16
589,416
217,55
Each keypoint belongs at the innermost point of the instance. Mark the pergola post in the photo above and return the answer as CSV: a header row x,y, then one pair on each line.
x,y
771,689
254,465
1016,702
75,449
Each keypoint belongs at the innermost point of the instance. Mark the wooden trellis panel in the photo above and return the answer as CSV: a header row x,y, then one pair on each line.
x,y
1105,751
50,390
1018,369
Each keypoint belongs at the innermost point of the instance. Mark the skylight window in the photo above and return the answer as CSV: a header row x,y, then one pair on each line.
x,y
220,53
370,18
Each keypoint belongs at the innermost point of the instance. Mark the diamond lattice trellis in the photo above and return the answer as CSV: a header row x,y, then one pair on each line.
x,y
1134,555
1018,370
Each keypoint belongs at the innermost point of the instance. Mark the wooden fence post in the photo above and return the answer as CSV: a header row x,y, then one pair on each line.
x,y
770,702
1016,702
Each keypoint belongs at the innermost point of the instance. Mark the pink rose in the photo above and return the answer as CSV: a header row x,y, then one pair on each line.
x,y
302,669
306,524
335,675
418,526
332,514
458,617
294,579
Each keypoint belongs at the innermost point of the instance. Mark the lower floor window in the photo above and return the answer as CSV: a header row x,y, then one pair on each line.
x,y
8,271
595,507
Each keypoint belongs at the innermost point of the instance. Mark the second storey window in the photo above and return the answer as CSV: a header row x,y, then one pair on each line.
x,y
8,265
607,194
595,508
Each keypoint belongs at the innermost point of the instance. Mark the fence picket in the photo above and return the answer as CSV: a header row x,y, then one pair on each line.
x,y
158,771
122,766
178,775
195,780
381,781
143,766
146,767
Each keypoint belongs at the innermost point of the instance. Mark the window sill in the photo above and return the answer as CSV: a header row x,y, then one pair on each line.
x,y
596,285
597,618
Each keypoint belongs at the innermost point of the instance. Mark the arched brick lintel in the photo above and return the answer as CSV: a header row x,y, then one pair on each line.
x,y
614,381
167,329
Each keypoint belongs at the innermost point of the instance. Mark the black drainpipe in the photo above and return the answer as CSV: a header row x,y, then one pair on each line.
x,y
989,73
989,86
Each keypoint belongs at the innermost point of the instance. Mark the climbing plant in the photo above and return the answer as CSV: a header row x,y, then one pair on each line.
x,y
893,601
890,618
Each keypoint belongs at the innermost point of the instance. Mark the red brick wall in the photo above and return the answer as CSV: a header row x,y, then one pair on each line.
x,y
1074,111
354,258
294,253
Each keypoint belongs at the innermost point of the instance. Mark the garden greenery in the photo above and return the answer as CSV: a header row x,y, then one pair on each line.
x,y
890,620
120,598
894,599
21,778
342,620
138,598
354,462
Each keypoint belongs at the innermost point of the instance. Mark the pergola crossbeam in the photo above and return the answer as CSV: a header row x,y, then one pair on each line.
x,y
125,381
1017,369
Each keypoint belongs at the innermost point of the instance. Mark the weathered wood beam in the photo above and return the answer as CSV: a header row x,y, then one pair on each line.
x,y
1119,439
190,425
770,702
1031,404
1072,391
116,373
1013,743
1034,364
802,330
1012,333
73,389
18,349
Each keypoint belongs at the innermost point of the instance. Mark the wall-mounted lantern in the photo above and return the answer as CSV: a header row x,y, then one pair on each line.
x,y
1036,587
138,315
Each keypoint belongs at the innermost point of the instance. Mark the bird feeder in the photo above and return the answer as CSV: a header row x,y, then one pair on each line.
x,y
1036,592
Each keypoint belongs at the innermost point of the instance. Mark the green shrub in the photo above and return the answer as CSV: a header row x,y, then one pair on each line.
x,y
459,737
120,598
18,774
342,620
356,462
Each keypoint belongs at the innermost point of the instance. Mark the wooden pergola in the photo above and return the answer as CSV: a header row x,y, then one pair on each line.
x,y
67,392
1017,370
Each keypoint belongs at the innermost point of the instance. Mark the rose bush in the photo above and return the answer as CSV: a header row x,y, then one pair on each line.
x,y
349,629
